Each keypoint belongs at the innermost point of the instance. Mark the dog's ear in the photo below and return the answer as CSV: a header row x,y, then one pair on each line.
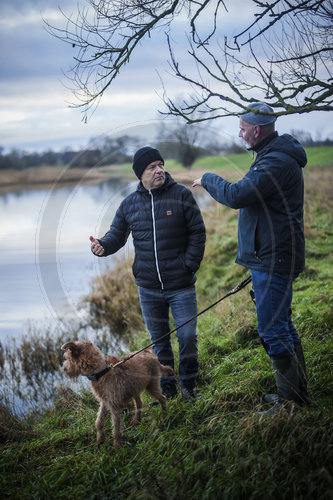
x,y
73,347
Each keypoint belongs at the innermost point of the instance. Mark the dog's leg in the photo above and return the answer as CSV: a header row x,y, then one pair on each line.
x,y
154,389
99,424
163,402
116,420
138,410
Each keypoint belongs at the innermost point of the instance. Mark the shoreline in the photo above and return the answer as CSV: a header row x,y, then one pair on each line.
x,y
47,177
233,167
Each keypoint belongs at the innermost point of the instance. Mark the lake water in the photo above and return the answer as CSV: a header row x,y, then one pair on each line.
x,y
45,261
46,268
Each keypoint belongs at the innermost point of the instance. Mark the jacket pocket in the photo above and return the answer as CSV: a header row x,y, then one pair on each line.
x,y
247,232
257,243
179,263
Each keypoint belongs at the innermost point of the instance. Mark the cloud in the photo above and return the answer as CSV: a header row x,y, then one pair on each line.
x,y
35,95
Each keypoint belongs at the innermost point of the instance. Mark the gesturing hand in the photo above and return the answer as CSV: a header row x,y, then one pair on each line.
x,y
197,182
96,247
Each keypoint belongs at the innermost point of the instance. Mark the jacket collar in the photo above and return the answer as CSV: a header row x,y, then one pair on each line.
x,y
258,147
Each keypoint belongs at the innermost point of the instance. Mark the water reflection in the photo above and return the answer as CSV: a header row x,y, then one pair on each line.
x,y
46,267
45,261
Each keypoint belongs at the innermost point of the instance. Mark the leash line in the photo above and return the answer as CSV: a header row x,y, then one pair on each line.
x,y
237,288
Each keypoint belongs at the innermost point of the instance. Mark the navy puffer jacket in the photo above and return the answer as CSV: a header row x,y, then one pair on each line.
x,y
270,198
168,235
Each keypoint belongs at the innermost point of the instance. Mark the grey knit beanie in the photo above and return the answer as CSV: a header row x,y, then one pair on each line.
x,y
256,118
144,157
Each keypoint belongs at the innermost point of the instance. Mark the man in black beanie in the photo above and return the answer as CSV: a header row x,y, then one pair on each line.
x,y
169,240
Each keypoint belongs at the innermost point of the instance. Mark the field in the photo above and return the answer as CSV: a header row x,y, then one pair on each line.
x,y
217,447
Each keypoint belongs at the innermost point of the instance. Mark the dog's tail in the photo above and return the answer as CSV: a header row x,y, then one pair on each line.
x,y
166,370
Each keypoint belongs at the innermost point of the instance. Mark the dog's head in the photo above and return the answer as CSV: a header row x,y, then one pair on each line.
x,y
81,358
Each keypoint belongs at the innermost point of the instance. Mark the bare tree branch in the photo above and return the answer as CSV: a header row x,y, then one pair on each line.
x,y
283,55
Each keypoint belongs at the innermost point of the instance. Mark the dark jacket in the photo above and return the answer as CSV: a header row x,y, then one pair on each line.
x,y
168,235
270,198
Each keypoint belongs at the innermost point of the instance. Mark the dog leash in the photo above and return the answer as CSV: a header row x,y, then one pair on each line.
x,y
237,288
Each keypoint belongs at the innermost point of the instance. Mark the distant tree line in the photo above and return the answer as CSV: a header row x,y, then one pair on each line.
x,y
183,142
107,152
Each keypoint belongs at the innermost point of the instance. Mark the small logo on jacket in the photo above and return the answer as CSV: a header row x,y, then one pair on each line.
x,y
169,212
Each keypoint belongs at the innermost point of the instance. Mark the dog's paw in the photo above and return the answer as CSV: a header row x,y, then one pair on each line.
x,y
117,443
100,440
134,421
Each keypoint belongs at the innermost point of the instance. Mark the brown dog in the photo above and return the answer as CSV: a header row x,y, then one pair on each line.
x,y
115,387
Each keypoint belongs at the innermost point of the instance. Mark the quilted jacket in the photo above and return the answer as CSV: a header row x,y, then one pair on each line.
x,y
168,235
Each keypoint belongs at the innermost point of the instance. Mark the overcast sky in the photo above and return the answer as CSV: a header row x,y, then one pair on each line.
x,y
34,101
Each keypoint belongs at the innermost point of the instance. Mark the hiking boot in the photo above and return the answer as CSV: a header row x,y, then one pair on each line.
x,y
272,411
189,394
278,406
270,398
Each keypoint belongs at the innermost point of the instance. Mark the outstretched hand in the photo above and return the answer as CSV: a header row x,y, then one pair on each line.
x,y
95,246
197,182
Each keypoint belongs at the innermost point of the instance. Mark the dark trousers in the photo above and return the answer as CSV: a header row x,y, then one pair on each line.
x,y
155,306
273,296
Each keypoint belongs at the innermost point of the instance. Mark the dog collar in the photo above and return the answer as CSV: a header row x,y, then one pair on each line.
x,y
98,375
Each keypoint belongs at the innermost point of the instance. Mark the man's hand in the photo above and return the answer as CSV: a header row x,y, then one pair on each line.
x,y
197,182
96,247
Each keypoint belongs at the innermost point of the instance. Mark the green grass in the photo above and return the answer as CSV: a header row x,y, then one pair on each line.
x,y
218,447
241,161
320,156
317,156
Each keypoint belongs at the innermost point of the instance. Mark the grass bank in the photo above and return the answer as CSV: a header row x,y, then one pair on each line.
x,y
217,448
232,165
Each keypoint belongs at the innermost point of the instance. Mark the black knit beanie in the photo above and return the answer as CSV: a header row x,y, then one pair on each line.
x,y
144,157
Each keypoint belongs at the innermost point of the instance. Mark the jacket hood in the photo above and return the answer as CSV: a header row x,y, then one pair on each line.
x,y
287,144
168,182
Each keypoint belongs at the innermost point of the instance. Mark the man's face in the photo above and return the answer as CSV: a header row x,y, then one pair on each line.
x,y
249,133
153,175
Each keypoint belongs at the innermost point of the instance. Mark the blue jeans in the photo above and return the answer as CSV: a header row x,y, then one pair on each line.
x,y
273,295
155,306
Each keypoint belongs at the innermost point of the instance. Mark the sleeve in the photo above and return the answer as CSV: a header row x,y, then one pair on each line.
x,y
117,235
196,232
261,182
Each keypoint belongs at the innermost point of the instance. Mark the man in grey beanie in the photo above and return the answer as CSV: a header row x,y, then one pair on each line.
x,y
270,200
169,240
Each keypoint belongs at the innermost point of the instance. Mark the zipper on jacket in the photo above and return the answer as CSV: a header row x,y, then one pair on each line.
x,y
154,238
